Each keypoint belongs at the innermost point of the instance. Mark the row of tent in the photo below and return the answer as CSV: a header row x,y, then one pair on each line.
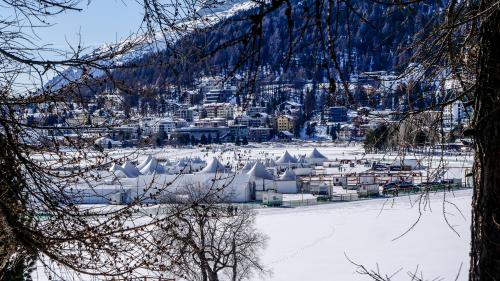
x,y
150,166
314,157
257,170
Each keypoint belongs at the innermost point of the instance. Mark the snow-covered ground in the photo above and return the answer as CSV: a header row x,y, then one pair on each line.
x,y
311,243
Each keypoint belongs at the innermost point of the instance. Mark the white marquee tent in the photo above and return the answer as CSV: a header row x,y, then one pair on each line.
x,y
144,162
286,160
153,167
315,157
287,183
130,170
214,166
118,171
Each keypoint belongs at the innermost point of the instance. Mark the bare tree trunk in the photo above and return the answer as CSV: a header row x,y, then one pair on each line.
x,y
485,229
7,246
10,205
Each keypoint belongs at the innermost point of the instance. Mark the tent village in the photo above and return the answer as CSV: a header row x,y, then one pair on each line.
x,y
268,181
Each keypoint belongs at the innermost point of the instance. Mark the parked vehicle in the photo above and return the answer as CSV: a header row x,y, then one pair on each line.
x,y
399,185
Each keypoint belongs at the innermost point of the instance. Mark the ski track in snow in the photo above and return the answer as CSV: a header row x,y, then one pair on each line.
x,y
309,243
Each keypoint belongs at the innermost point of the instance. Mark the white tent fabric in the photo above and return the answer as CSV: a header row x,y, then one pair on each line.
x,y
182,163
315,154
153,167
301,160
258,171
270,163
286,158
214,166
118,171
198,160
130,170
289,175
248,166
144,163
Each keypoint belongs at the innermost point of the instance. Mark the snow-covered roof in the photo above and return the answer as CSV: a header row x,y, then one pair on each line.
x,y
287,133
105,141
258,171
315,154
214,166
289,175
286,158
292,103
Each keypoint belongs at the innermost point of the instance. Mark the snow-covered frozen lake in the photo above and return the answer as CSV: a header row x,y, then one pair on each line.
x,y
311,243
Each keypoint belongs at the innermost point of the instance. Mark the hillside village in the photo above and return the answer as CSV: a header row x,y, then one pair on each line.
x,y
215,111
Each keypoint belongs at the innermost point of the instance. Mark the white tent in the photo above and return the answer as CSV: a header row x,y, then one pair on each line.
x,y
258,175
197,164
270,163
144,162
214,166
288,175
316,154
287,183
302,161
229,188
247,167
315,157
286,159
197,160
118,171
130,170
258,171
153,167
182,163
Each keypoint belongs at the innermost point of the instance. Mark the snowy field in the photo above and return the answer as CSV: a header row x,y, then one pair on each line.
x,y
311,243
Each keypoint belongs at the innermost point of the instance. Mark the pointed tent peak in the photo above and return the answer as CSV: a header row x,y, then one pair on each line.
x,y
302,160
153,167
286,158
289,175
115,167
130,169
197,160
270,163
258,171
214,166
316,154
247,167
144,162
118,171
182,162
